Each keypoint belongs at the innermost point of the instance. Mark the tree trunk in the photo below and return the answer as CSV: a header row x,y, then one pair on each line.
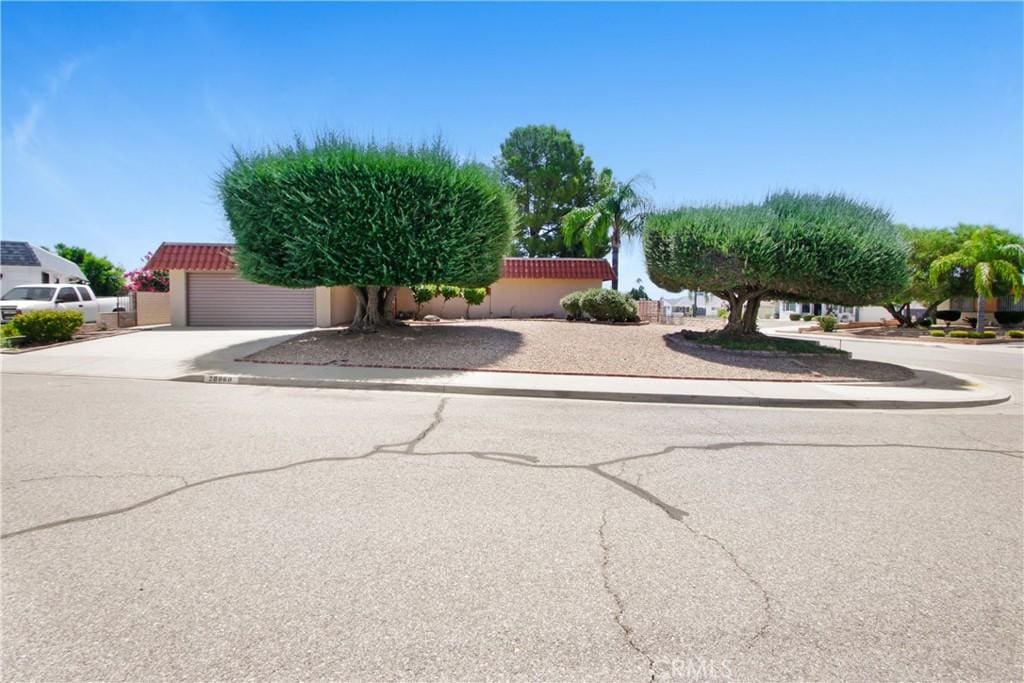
x,y
743,310
389,305
901,314
749,319
734,322
616,243
373,308
980,325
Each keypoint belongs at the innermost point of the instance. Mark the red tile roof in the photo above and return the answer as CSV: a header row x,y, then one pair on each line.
x,y
192,256
557,269
196,256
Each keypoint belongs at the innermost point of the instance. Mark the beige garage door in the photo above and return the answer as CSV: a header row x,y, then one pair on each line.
x,y
223,299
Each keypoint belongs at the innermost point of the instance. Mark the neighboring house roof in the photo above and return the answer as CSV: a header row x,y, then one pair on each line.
x,y
195,256
557,269
25,254
192,256
58,264
17,254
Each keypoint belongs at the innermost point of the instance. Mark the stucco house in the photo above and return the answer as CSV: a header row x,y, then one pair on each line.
x,y
206,290
22,263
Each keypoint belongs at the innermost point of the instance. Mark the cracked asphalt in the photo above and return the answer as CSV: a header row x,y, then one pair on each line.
x,y
158,531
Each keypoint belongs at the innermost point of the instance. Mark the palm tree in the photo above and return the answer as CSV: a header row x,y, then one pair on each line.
x,y
617,213
996,258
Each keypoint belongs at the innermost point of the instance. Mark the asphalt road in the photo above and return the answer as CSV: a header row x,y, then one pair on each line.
x,y
160,530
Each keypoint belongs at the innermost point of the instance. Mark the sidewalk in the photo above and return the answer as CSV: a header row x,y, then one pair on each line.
x,y
930,389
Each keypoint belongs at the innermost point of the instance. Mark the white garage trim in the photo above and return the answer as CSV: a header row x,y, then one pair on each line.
x,y
223,299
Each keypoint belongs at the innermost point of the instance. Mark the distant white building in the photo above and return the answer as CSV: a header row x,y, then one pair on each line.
x,y
22,263
844,313
692,304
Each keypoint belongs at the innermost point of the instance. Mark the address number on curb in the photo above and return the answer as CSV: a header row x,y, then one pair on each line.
x,y
220,379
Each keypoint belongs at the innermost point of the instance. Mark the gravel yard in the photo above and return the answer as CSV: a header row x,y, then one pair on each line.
x,y
556,346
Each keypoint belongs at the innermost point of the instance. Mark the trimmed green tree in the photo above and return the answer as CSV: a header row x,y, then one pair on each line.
x,y
422,294
549,175
993,257
448,292
801,247
375,218
926,245
617,213
474,296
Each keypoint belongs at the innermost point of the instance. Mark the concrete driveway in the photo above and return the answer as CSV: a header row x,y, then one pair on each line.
x,y
158,353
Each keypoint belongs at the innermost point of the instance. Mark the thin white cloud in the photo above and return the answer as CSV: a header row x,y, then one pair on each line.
x,y
64,73
216,115
23,131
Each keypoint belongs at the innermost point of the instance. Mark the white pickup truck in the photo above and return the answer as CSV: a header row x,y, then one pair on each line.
x,y
58,297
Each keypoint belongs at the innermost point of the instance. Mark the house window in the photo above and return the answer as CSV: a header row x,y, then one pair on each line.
x,y
46,278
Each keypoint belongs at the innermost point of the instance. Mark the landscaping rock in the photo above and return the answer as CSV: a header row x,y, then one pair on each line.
x,y
557,346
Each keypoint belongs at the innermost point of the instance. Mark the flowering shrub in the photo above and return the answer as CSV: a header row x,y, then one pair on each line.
x,y
143,280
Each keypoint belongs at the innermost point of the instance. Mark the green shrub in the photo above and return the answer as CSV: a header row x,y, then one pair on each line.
x,y
474,296
987,334
46,327
938,333
572,304
7,335
1009,317
958,334
723,312
421,294
448,292
948,316
807,318
1015,334
794,316
925,322
608,305
828,323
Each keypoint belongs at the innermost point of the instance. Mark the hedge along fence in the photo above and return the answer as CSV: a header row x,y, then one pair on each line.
x,y
375,218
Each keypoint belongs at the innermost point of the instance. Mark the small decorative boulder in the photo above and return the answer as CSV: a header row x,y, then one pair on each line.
x,y
431,319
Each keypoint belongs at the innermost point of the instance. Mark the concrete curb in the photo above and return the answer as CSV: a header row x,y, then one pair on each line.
x,y
992,395
928,341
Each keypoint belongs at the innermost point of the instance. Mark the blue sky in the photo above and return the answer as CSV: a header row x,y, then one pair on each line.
x,y
118,117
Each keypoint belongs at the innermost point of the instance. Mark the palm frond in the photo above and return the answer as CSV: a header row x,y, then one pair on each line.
x,y
984,279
